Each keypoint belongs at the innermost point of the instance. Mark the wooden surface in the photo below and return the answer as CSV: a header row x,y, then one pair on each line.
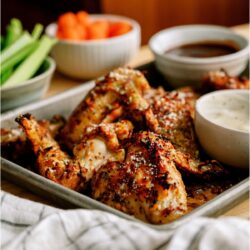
x,y
61,83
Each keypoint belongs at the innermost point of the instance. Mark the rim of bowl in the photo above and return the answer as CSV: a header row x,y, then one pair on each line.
x,y
50,70
135,27
192,60
219,92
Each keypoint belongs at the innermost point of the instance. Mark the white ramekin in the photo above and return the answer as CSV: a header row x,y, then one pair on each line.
x,y
180,71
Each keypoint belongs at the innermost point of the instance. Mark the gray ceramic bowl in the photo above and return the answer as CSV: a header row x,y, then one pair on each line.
x,y
180,71
222,126
30,90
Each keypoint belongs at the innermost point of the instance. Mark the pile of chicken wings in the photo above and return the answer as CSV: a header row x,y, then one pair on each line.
x,y
128,143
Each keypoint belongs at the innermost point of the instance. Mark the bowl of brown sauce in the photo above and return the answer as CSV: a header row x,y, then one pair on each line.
x,y
184,54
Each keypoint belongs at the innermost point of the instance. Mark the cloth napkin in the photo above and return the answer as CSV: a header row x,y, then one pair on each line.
x,y
33,226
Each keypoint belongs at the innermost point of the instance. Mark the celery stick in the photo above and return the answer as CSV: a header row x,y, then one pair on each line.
x,y
18,57
37,31
31,64
14,31
17,23
5,75
2,42
20,43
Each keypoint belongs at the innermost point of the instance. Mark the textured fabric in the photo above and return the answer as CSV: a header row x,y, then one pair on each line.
x,y
33,226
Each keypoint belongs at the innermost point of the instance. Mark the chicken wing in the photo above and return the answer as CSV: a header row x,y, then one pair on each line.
x,y
16,147
52,162
102,143
120,89
217,80
93,151
173,112
147,184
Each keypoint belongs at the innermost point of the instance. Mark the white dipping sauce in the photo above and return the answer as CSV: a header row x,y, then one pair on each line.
x,y
230,110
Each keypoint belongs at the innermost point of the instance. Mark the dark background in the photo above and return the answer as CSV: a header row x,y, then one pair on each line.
x,y
43,11
153,15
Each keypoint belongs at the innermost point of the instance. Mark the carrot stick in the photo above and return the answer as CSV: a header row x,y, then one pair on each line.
x,y
119,28
67,20
82,18
98,30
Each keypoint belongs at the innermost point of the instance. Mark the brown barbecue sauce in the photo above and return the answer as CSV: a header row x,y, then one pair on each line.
x,y
204,49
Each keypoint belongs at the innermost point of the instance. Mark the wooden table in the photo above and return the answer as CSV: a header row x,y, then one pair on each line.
x,y
61,83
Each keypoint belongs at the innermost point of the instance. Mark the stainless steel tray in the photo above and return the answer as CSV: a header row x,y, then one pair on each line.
x,y
63,104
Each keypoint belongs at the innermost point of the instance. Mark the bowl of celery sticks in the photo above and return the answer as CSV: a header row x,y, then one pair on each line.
x,y
26,69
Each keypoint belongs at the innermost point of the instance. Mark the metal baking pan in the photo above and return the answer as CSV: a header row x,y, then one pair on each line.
x,y
63,104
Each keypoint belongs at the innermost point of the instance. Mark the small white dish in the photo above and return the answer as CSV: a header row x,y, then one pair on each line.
x,y
222,126
181,70
93,58
30,90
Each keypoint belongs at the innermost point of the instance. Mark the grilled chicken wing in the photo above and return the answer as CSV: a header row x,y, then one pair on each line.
x,y
15,146
190,96
93,151
102,143
120,90
52,162
217,80
147,184
173,113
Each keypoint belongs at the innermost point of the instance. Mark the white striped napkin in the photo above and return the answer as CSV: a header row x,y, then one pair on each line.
x,y
33,226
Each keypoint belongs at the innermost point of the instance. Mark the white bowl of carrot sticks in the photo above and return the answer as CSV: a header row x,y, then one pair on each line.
x,y
89,46
26,69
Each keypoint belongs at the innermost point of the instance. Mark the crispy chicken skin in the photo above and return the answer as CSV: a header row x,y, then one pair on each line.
x,y
218,80
121,89
147,184
190,95
14,144
12,135
52,162
102,143
93,151
173,112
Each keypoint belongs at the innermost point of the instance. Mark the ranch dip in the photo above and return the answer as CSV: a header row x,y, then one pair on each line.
x,y
231,111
